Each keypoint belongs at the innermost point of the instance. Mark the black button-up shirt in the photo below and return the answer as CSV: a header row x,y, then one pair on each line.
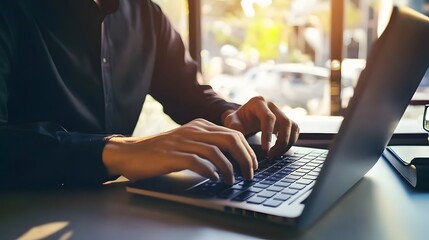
x,y
71,74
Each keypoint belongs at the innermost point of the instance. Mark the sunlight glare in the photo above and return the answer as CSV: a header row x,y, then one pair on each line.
x,y
44,230
248,9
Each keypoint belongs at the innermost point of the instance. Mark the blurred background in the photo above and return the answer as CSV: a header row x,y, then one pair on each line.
x,y
280,49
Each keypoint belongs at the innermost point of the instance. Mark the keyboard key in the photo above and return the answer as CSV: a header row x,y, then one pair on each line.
x,y
208,189
296,173
258,178
238,187
289,191
291,168
311,164
282,164
307,168
275,178
282,197
254,189
302,170
282,184
261,185
298,164
272,203
310,177
247,183
264,174
277,167
309,157
243,196
229,193
312,156
238,178
294,158
256,200
291,177
266,194
304,181
287,180
297,186
275,188
268,182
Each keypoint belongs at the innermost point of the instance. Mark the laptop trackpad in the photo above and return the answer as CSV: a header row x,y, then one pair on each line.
x,y
177,182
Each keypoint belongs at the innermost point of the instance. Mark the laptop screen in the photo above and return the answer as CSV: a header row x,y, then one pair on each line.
x,y
395,66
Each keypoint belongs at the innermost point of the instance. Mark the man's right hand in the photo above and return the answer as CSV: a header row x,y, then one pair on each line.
x,y
192,146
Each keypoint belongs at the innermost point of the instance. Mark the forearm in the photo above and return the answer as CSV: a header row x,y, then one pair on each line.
x,y
175,83
185,99
45,155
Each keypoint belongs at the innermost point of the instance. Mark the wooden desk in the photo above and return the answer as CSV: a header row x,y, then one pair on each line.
x,y
381,206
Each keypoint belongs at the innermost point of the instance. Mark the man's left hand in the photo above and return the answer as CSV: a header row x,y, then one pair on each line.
x,y
261,115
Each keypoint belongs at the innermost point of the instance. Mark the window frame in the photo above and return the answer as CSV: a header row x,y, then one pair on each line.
x,y
194,18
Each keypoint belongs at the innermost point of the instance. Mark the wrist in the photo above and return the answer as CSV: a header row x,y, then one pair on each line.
x,y
118,150
113,153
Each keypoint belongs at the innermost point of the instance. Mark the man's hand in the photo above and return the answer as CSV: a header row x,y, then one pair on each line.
x,y
192,146
260,115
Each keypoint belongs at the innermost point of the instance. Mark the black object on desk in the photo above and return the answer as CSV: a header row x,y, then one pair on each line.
x,y
412,162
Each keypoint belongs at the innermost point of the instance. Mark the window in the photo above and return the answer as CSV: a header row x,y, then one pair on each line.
x,y
177,12
280,49
288,37
248,44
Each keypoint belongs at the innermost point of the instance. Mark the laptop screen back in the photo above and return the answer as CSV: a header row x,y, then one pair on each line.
x,y
396,64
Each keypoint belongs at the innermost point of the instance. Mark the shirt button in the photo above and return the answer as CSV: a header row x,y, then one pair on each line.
x,y
104,60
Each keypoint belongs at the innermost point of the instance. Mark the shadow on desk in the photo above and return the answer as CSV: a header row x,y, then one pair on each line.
x,y
112,213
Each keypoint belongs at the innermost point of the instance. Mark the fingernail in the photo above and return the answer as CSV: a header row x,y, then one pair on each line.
x,y
256,165
254,161
265,146
215,177
231,182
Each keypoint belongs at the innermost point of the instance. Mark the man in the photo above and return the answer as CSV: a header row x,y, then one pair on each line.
x,y
74,73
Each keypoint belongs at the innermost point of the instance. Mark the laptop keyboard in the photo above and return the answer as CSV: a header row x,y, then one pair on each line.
x,y
275,181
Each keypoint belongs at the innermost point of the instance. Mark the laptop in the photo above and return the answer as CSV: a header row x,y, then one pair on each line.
x,y
297,188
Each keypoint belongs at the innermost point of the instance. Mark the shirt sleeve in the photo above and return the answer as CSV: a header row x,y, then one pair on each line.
x,y
42,154
175,83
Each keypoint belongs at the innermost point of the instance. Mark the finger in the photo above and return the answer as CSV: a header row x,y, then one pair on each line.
x,y
236,154
294,135
216,129
196,164
250,151
288,132
266,118
230,141
212,154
